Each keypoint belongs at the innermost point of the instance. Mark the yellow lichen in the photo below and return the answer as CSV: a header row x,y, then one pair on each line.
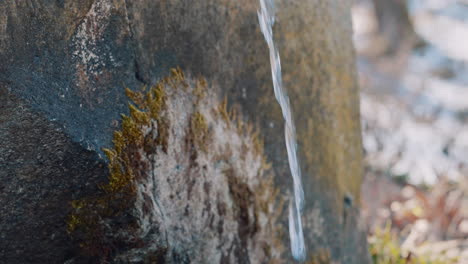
x,y
200,89
136,97
222,110
140,116
177,75
257,143
131,130
155,100
322,256
92,221
117,196
199,130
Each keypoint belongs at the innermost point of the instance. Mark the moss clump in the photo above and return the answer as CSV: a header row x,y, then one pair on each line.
x,y
322,256
152,104
199,131
223,112
257,143
233,117
200,89
153,188
94,220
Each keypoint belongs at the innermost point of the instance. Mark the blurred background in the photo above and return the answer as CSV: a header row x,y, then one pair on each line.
x,y
413,73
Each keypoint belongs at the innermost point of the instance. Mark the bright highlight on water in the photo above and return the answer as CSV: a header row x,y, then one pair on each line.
x,y
266,18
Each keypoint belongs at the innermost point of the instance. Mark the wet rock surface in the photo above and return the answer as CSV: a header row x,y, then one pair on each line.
x,y
68,62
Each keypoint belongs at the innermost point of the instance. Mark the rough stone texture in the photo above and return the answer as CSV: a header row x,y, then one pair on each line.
x,y
188,183
41,171
65,64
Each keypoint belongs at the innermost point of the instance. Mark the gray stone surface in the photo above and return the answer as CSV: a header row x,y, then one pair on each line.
x,y
64,68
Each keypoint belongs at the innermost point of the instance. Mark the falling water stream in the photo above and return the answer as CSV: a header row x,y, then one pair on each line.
x,y
266,18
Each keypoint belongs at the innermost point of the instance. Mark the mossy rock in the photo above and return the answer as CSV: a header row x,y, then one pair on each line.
x,y
62,84
201,194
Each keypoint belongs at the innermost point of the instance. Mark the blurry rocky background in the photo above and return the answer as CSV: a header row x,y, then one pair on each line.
x,y
412,61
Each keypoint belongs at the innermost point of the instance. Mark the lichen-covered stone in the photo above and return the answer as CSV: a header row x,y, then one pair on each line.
x,y
67,62
204,197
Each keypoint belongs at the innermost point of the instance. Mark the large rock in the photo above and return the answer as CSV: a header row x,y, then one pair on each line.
x,y
65,66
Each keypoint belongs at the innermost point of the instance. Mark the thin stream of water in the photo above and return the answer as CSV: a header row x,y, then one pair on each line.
x,y
266,18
